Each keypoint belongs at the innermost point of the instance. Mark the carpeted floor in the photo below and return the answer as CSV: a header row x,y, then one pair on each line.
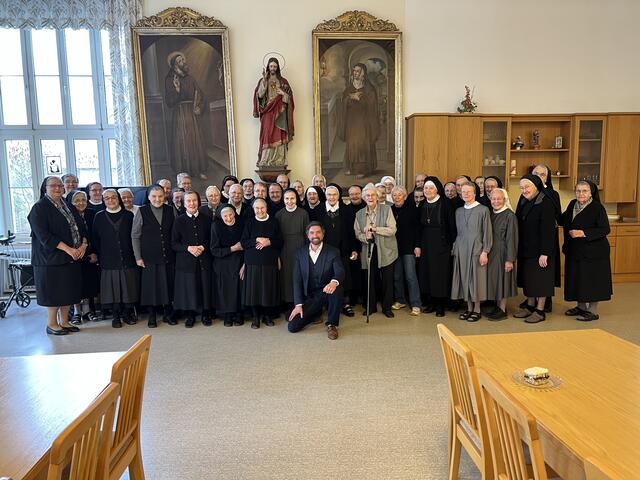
x,y
234,403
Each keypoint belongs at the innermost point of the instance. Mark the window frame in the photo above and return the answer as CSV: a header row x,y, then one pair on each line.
x,y
34,132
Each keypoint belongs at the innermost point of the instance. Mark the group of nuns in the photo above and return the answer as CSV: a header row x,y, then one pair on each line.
x,y
235,258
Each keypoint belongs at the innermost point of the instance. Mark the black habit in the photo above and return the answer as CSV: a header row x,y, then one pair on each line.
x,y
587,271
193,274
227,286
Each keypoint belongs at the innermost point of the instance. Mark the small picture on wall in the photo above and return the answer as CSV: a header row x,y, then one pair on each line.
x,y
357,95
183,84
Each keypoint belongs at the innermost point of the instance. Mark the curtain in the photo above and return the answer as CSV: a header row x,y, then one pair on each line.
x,y
115,16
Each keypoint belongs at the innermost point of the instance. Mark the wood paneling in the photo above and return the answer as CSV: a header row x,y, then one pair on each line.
x,y
465,147
622,158
627,258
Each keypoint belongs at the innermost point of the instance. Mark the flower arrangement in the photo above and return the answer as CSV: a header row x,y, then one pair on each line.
x,y
467,105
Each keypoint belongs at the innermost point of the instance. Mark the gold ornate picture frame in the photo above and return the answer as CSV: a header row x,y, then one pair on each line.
x,y
357,99
184,98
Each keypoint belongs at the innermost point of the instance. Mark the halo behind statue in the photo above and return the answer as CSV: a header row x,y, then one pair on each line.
x,y
276,55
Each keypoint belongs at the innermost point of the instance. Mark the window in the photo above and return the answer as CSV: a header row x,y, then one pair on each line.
x,y
56,115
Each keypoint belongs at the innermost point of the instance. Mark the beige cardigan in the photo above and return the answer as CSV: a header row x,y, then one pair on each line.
x,y
385,236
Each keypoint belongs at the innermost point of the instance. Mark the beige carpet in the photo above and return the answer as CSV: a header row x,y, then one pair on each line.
x,y
234,403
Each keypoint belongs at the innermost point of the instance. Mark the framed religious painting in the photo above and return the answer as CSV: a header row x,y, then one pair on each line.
x,y
185,107
357,93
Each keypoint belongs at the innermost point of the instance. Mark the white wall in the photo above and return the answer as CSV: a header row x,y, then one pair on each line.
x,y
550,56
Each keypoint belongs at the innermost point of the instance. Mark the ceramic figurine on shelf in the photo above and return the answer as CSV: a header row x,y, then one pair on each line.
x,y
517,144
535,140
558,142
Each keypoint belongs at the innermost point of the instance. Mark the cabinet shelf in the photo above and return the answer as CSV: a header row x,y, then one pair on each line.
x,y
553,176
494,141
590,139
588,163
532,150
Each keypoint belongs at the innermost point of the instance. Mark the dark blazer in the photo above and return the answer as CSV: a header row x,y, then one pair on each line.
x,y
48,229
594,222
339,230
328,261
188,231
114,249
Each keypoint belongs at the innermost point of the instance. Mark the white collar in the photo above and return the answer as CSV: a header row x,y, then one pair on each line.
x,y
94,203
115,210
263,219
291,209
225,195
504,207
473,205
315,205
315,254
193,215
435,199
330,208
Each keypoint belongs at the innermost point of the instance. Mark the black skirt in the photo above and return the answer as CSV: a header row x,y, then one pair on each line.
x,y
90,279
260,286
227,286
587,280
58,285
534,280
156,286
193,290
120,286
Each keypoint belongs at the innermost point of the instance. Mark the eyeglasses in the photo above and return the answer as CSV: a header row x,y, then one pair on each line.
x,y
55,185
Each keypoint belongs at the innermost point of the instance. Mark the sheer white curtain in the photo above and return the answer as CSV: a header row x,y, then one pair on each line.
x,y
115,16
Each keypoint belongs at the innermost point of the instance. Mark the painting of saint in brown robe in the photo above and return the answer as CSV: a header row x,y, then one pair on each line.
x,y
186,101
360,125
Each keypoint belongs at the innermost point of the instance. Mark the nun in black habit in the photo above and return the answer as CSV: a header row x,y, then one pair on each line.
x,y
120,278
587,268
315,200
536,251
58,243
545,175
437,234
151,239
261,241
190,239
228,257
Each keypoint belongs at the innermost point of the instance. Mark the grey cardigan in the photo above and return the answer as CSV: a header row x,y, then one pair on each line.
x,y
385,237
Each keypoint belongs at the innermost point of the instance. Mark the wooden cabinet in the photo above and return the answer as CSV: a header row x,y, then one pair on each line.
x,y
588,148
465,147
622,158
496,143
427,144
627,259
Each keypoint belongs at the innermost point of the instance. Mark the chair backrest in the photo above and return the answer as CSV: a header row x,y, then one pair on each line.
x,y
87,439
463,382
509,425
130,372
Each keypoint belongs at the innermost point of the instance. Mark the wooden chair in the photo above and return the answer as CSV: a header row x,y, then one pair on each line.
x,y
130,372
509,424
85,442
466,419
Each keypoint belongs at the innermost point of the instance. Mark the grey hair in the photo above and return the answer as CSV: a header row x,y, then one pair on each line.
x,y
399,188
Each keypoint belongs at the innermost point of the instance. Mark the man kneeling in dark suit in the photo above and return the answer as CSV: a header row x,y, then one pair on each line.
x,y
317,273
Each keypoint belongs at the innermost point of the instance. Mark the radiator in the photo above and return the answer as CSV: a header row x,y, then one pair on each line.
x,y
21,251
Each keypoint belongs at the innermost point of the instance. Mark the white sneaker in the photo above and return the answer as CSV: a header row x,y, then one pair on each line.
x,y
398,305
415,311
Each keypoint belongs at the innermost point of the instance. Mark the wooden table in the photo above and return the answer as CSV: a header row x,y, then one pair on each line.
x,y
39,397
594,416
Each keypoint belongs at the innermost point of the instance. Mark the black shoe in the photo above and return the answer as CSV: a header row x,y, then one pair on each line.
x,y
116,322
173,319
76,319
255,323
474,317
440,312
129,319
152,323
585,316
206,321
51,331
371,312
348,311
89,317
574,312
388,313
497,315
268,321
228,322
429,309
71,328
238,322
191,321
